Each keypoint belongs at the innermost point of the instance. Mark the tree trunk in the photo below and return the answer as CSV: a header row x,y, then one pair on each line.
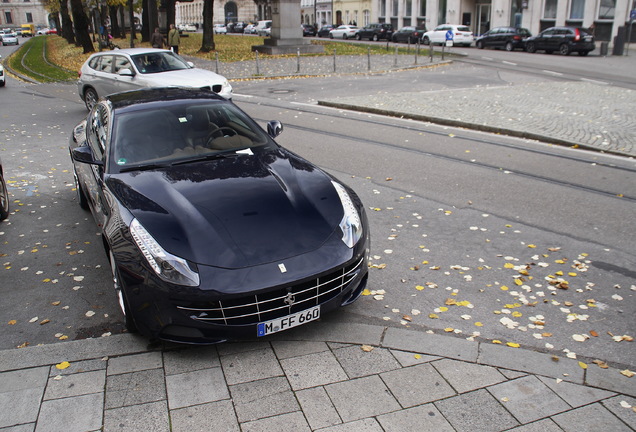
x,y
81,26
122,19
208,28
67,24
131,17
115,29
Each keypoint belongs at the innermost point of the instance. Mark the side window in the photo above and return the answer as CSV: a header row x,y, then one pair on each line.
x,y
94,63
98,130
121,62
106,64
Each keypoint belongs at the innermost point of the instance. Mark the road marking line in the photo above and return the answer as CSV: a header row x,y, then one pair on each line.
x,y
242,95
552,72
509,63
594,81
487,58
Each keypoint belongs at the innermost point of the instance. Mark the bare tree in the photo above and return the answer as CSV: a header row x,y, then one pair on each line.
x,y
81,26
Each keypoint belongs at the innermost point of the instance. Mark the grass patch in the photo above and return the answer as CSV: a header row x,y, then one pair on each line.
x,y
230,48
29,60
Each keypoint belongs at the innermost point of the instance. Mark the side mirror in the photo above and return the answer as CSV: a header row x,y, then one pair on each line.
x,y
274,128
190,64
84,154
126,72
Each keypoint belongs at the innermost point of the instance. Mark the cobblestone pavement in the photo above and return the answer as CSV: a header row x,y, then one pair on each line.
x,y
328,377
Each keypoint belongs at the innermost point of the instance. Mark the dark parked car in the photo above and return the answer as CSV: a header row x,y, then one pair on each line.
x,y
375,32
213,230
324,30
308,30
4,195
408,34
509,38
565,40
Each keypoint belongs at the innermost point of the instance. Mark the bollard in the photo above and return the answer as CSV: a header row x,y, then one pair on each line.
x,y
417,51
442,52
395,62
216,55
369,58
298,60
258,69
430,51
334,60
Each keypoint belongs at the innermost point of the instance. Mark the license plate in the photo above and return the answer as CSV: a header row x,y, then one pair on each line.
x,y
287,322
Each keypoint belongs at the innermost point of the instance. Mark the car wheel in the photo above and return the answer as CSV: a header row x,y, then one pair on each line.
x,y
375,38
509,46
358,37
531,47
564,49
81,196
2,83
479,45
4,199
330,35
426,40
121,296
344,36
90,98
583,53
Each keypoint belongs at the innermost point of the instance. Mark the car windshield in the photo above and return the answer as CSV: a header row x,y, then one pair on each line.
x,y
182,132
161,61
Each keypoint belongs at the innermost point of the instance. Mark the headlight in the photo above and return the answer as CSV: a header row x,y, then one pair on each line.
x,y
350,224
167,266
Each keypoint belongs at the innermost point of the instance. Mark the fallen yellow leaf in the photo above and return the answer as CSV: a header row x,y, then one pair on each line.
x,y
496,341
627,373
13,322
582,365
366,348
366,292
513,345
62,365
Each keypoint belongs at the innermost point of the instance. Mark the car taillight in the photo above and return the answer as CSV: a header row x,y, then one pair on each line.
x,y
516,37
577,35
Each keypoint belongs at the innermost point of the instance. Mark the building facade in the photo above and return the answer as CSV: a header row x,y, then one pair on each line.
x,y
603,17
14,13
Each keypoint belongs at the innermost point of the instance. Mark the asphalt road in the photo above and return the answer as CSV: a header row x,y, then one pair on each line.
x,y
454,226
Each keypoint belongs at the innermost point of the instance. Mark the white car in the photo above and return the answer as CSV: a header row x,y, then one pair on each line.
x,y
2,76
264,28
189,27
344,32
134,68
250,29
9,39
220,28
461,35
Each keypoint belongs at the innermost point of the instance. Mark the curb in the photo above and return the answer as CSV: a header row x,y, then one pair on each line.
x,y
480,353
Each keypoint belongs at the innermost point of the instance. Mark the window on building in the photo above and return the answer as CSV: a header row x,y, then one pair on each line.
x,y
550,10
577,9
383,11
423,8
441,12
606,9
7,18
29,17
394,8
366,17
408,8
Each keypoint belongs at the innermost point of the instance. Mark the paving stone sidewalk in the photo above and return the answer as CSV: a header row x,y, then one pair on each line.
x,y
329,377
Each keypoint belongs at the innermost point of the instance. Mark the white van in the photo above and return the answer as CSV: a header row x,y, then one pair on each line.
x,y
264,28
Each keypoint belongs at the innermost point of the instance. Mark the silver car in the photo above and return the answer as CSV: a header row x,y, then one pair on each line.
x,y
9,39
130,69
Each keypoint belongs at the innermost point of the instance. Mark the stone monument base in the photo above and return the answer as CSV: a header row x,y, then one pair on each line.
x,y
288,46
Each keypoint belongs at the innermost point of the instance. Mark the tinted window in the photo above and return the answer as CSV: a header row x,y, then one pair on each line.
x,y
98,130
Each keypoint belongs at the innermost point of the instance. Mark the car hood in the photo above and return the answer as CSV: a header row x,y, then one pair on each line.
x,y
235,212
185,77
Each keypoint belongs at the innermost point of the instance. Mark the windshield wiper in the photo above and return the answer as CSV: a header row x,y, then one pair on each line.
x,y
212,156
144,167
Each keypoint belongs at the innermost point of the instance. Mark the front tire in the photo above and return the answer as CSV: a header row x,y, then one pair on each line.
x,y
479,45
90,98
426,40
81,196
531,47
375,38
330,35
358,37
509,46
4,199
344,37
121,296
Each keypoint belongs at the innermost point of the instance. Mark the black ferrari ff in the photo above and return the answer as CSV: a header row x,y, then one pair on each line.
x,y
214,232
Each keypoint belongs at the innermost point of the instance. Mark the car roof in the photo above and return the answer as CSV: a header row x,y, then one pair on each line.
x,y
134,99
131,51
